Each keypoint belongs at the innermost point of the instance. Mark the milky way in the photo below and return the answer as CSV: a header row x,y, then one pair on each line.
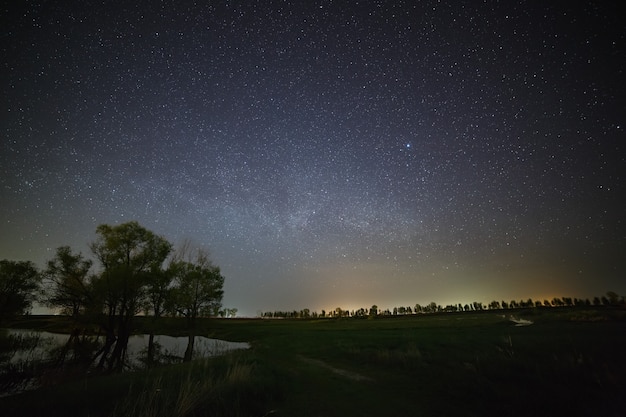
x,y
327,155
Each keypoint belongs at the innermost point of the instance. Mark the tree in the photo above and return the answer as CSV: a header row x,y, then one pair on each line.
x,y
197,292
432,307
66,282
373,311
19,282
613,298
158,295
232,312
128,253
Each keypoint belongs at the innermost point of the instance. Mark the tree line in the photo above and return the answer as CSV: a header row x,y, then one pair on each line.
x,y
610,299
139,273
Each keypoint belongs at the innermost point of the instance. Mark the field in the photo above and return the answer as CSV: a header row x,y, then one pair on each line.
x,y
569,362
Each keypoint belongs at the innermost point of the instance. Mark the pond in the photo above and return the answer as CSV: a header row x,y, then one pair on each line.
x,y
24,349
172,347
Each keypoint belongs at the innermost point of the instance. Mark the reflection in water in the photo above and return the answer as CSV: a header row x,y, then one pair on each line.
x,y
172,347
175,346
41,350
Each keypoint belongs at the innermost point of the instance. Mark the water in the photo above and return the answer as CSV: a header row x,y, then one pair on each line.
x,y
174,347
42,347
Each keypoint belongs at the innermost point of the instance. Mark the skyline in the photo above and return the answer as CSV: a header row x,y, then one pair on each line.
x,y
326,155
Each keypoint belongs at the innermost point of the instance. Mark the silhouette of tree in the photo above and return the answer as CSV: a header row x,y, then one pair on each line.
x,y
432,307
613,298
158,297
19,282
198,292
556,302
477,305
373,310
66,282
127,253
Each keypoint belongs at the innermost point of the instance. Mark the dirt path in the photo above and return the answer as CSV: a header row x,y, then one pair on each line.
x,y
346,374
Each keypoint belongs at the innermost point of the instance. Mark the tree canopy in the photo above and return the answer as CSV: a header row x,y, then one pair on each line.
x,y
197,292
67,284
128,254
19,282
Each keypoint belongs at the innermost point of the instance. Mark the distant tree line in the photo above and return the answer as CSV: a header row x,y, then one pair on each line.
x,y
139,273
610,299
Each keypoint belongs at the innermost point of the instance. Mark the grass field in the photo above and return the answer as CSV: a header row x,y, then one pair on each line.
x,y
569,362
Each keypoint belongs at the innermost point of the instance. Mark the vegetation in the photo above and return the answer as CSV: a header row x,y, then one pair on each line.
x,y
611,299
135,276
197,292
458,359
66,281
569,362
18,284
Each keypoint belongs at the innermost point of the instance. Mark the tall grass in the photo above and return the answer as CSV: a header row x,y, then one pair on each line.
x,y
203,389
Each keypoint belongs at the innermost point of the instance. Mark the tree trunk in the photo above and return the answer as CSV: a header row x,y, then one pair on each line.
x,y
108,344
116,363
189,350
150,358
71,342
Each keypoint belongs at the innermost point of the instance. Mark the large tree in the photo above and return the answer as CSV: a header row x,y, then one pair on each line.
x,y
197,292
19,282
67,282
158,297
128,253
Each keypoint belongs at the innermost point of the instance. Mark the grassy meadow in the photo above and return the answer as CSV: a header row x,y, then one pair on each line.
x,y
569,362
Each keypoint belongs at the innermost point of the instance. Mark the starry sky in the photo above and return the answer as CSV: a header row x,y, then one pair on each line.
x,y
326,153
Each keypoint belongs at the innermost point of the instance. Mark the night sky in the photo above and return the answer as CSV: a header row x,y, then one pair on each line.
x,y
327,155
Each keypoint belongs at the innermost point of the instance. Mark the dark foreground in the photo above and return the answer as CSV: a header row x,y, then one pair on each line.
x,y
569,362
